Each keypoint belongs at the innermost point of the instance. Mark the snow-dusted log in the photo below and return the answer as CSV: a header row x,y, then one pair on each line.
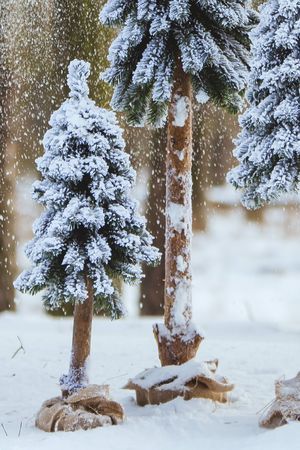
x,y
189,380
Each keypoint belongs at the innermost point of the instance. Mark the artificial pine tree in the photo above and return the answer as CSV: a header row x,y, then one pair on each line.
x,y
268,146
90,231
167,53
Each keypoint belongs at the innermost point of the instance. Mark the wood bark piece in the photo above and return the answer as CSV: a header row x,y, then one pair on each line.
x,y
189,380
88,408
176,349
286,406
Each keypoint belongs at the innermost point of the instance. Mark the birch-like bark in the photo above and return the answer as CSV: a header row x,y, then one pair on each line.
x,y
177,340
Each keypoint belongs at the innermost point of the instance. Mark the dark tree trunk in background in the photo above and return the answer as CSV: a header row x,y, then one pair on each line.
x,y
199,174
152,288
7,236
7,189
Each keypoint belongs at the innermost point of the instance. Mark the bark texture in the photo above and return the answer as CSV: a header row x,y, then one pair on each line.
x,y
81,344
7,235
7,189
178,342
152,288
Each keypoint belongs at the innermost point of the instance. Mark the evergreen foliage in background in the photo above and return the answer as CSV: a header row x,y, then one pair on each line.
x,y
90,226
268,148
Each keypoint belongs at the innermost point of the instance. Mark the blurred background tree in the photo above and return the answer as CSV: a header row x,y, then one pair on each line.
x,y
7,165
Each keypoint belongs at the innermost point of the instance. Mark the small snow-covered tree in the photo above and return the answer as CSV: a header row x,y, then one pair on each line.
x,y
167,53
268,146
90,231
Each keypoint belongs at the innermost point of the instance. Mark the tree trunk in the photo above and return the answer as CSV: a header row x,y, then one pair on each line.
x,y
7,235
177,340
7,189
81,344
152,288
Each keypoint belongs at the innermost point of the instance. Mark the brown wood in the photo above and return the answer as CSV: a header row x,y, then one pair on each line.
x,y
152,288
176,349
7,194
178,344
178,191
81,343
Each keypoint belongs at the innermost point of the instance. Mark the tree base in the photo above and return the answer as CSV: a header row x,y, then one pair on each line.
x,y
88,408
286,406
189,380
178,348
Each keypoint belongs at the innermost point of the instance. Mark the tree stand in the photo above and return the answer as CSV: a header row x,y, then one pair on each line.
x,y
87,408
81,406
180,375
189,380
286,406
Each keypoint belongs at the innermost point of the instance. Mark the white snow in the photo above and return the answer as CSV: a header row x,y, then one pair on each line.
x,y
180,375
181,263
181,109
251,356
177,215
180,154
246,296
182,303
202,97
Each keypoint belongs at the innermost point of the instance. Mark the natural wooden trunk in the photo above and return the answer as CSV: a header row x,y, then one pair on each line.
x,y
178,342
81,343
7,197
7,233
152,288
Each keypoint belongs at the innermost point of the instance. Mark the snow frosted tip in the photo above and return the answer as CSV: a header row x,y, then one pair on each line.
x,y
79,72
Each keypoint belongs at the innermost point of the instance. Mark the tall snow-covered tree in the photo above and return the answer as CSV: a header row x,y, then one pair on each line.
x,y
90,231
268,146
167,53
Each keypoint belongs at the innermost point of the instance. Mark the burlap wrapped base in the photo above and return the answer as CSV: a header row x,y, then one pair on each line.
x,y
286,406
189,380
87,408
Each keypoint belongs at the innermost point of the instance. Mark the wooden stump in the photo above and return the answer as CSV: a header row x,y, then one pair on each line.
x,y
176,349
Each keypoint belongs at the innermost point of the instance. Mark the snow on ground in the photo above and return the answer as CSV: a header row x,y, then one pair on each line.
x,y
246,297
